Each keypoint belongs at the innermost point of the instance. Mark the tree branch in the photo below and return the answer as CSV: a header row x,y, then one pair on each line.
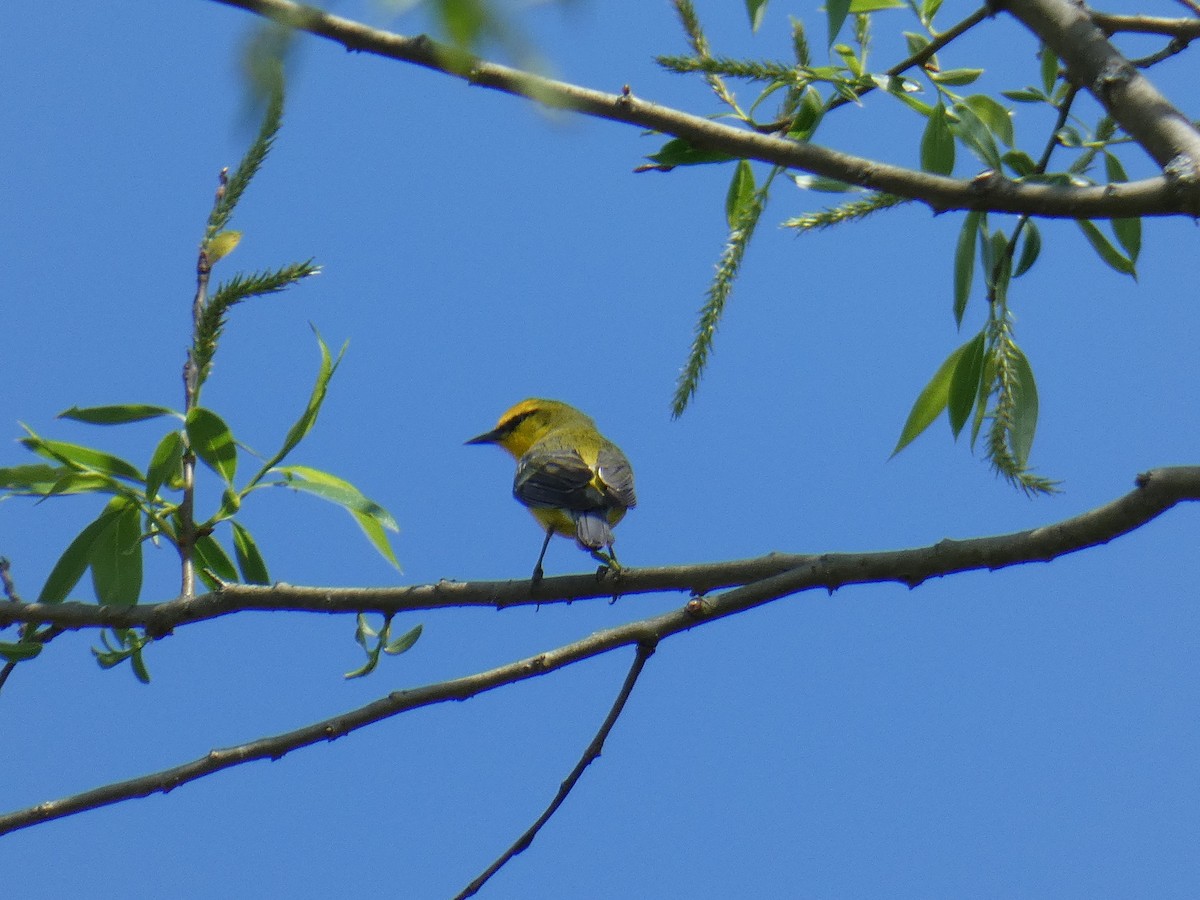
x,y
991,191
1157,491
644,652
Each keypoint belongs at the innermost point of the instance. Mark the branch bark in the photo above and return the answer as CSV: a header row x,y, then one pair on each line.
x,y
990,191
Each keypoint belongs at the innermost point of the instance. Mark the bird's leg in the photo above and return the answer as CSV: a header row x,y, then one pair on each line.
x,y
609,559
537,569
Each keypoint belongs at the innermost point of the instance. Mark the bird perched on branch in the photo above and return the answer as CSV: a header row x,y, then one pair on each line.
x,y
574,480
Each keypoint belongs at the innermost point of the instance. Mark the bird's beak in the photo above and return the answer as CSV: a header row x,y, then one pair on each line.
x,y
488,437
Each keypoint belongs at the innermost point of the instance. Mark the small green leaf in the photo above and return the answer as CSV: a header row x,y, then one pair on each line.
x,y
974,133
859,7
929,9
1105,249
956,77
20,651
985,391
930,402
740,193
964,264
964,383
167,460
1025,413
117,415
81,458
756,9
997,119
999,271
363,631
222,244
369,666
836,12
74,560
1049,69
404,642
1026,95
1029,250
1127,231
209,554
41,480
823,185
212,441
116,556
916,42
678,152
808,115
937,143
1020,162
249,560
138,664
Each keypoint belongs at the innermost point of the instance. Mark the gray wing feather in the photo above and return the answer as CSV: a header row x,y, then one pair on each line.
x,y
557,478
617,476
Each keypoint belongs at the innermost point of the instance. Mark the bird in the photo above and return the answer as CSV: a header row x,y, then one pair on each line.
x,y
575,481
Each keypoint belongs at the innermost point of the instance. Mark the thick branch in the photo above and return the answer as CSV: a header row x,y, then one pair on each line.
x,y
1157,491
994,192
1094,63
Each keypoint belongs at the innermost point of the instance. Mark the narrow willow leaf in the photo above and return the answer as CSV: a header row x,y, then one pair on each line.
x,y
81,457
808,115
930,402
929,9
964,383
756,9
74,560
836,12
20,651
1000,269
993,115
975,134
212,441
404,642
115,557
1025,413
964,264
741,191
1049,68
303,425
1020,163
937,144
209,554
869,6
956,77
985,391
165,462
916,42
369,666
222,244
41,480
678,152
249,560
1026,95
371,517
1105,249
117,415
1127,231
138,664
1030,249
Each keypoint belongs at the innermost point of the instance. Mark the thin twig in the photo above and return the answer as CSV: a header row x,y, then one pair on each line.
x,y
644,652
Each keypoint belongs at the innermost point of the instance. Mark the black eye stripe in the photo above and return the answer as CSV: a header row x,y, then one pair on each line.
x,y
509,426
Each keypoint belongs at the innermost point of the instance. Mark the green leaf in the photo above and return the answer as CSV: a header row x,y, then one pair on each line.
x,y
956,77
222,244
756,9
117,415
741,192
975,134
836,12
1127,231
41,480
859,7
964,264
19,652
937,143
166,461
404,642
115,556
1020,162
964,383
1049,69
1026,95
678,152
210,555
985,391
308,418
249,560
371,517
916,42
212,441
1025,413
138,664
81,458
999,271
1029,250
931,401
74,560
929,9
997,119
1105,249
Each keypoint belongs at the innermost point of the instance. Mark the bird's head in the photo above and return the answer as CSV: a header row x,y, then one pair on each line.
x,y
528,422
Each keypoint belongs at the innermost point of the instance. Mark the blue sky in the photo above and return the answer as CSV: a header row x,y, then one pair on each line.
x,y
1024,733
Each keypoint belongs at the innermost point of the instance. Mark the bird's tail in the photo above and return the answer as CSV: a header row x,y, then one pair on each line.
x,y
592,530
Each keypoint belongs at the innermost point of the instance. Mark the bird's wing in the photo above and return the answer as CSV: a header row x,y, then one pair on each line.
x,y
556,478
616,476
